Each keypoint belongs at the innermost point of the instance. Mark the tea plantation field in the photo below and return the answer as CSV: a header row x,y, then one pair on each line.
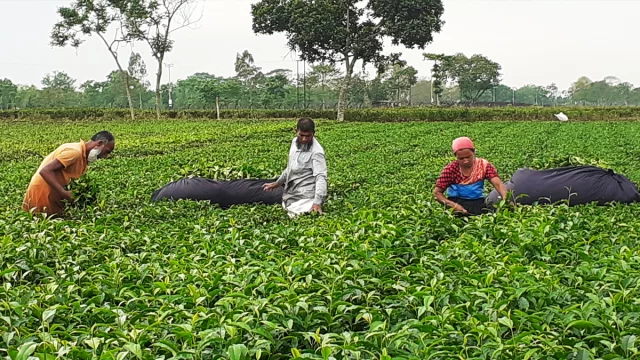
x,y
385,274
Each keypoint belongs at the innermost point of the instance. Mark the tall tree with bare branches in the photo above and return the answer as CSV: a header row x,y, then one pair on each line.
x,y
153,22
93,17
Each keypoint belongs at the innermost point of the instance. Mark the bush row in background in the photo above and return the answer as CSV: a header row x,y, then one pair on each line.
x,y
362,115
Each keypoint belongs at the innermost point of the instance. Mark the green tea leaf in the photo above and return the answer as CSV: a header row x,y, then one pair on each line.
x,y
42,356
628,343
25,350
48,315
506,322
580,324
135,349
530,353
237,351
167,345
326,353
583,354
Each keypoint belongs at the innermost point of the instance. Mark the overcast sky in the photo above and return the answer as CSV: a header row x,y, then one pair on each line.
x,y
535,41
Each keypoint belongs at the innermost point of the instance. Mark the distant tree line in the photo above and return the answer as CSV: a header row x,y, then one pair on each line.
x,y
455,79
335,39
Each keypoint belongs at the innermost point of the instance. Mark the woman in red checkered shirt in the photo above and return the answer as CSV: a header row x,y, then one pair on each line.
x,y
464,179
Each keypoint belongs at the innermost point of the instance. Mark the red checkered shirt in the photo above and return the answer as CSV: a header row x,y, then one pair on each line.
x,y
451,174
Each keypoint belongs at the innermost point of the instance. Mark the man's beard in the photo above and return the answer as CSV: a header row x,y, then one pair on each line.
x,y
303,147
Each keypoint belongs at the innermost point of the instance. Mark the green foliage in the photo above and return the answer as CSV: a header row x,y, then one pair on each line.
x,y
549,162
474,75
386,273
8,94
81,19
137,68
85,191
398,79
153,23
250,88
349,32
211,170
359,115
608,91
85,18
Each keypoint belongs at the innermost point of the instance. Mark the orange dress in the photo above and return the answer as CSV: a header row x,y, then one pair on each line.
x,y
40,196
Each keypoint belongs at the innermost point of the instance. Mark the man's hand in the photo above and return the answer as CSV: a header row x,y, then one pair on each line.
x,y
48,174
270,186
66,195
316,209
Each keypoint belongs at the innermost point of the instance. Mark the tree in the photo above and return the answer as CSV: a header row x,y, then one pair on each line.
x,y
624,93
358,95
8,94
153,22
245,66
499,93
552,92
402,78
276,88
421,92
379,90
138,72
93,17
27,96
349,31
58,91
93,93
323,74
59,80
438,74
474,75
199,90
137,68
578,90
247,72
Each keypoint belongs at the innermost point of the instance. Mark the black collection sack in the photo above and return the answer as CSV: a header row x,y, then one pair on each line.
x,y
224,193
578,184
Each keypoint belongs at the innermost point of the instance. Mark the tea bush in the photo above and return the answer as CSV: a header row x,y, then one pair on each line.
x,y
359,115
386,274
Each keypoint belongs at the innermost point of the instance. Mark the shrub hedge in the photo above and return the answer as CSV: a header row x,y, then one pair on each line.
x,y
360,115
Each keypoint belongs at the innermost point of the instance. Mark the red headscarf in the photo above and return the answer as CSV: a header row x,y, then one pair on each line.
x,y
462,143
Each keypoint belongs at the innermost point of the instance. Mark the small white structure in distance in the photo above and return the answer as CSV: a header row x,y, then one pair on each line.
x,y
561,117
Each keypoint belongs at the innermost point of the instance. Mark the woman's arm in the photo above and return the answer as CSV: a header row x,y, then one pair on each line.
x,y
438,193
500,187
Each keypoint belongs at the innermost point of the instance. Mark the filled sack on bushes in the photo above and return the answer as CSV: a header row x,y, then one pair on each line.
x,y
577,184
224,193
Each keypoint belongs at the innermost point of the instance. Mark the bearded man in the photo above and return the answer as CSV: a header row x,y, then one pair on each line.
x,y
46,192
305,178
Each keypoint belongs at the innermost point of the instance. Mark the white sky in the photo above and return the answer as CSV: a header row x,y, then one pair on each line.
x,y
535,41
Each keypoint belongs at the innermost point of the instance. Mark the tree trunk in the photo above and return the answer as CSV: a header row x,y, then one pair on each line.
x,y
323,101
344,87
126,81
341,100
125,74
324,107
115,57
158,79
